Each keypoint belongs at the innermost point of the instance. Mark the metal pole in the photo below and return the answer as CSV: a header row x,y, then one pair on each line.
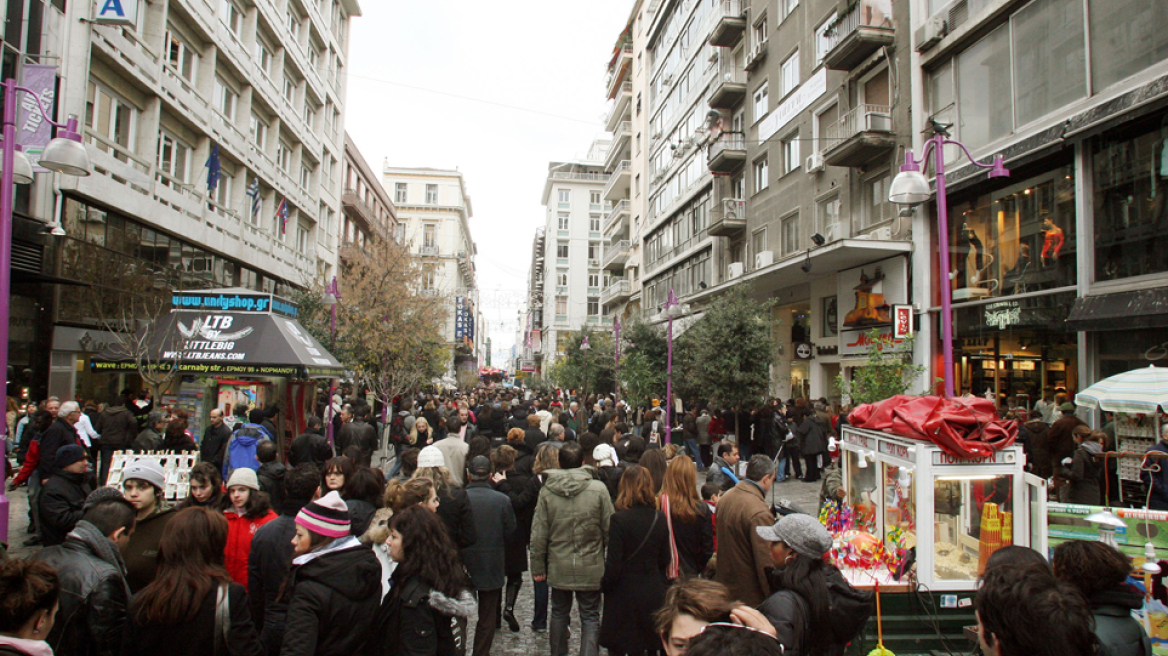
x,y
669,304
616,365
946,284
6,195
335,291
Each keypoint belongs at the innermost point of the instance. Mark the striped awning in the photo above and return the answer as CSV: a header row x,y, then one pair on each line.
x,y
1136,391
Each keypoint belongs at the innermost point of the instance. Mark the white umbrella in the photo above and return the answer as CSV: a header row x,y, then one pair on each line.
x,y
1137,391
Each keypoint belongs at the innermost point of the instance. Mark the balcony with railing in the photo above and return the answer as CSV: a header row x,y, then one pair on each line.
x,y
618,69
357,208
728,217
618,290
617,186
617,217
729,87
729,24
727,153
620,106
859,136
616,254
428,251
864,29
621,141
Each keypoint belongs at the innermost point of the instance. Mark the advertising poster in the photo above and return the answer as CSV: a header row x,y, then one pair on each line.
x,y
865,299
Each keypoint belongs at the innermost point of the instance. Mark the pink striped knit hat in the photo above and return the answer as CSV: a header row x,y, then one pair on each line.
x,y
327,516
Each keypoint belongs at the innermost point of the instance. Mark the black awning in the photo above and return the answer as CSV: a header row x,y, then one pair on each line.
x,y
19,276
1122,311
228,344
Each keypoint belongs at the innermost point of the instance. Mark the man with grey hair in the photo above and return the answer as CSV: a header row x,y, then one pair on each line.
x,y
743,556
555,436
150,439
59,434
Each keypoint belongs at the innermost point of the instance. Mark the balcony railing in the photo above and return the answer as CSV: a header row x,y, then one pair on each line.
x,y
621,172
618,289
857,34
729,87
727,153
615,214
858,136
729,22
578,175
428,250
616,253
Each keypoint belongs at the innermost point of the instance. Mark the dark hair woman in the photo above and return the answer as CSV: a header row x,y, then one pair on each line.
x,y
691,527
400,495
1100,573
335,473
634,570
334,586
206,488
429,587
28,605
362,494
654,460
190,559
177,439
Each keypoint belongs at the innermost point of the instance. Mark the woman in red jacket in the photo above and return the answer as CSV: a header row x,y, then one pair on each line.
x,y
249,510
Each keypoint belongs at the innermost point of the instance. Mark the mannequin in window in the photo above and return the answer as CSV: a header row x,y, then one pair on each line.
x,y
1017,275
1052,242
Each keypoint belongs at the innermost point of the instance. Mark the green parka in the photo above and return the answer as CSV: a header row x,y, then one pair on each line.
x,y
570,530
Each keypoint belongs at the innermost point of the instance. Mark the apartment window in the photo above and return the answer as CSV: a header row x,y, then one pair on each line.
x,y
561,278
562,221
758,241
225,98
759,33
761,174
825,121
313,58
310,117
399,193
593,306
822,40
594,280
594,198
789,75
181,59
231,15
1124,39
788,6
305,176
259,132
594,223
263,55
790,227
293,23
222,193
431,194
289,88
828,217
875,207
791,153
429,278
565,196
174,157
284,156
562,250
593,250
110,116
761,102
561,305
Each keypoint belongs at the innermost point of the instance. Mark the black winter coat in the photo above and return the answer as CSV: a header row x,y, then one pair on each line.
x,y
409,625
494,522
94,596
361,435
695,541
309,447
61,502
271,478
196,638
454,509
533,437
268,565
214,445
332,603
60,433
514,486
117,426
634,580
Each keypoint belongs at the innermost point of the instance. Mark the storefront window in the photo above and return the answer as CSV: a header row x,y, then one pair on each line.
x,y
973,517
1130,174
1016,240
1132,349
862,495
900,512
1011,349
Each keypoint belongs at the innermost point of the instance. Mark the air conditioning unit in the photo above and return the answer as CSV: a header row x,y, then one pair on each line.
x,y
814,162
764,259
931,33
656,134
878,122
733,209
831,232
735,270
882,234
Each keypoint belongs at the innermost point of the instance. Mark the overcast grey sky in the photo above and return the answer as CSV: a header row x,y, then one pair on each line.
x,y
546,57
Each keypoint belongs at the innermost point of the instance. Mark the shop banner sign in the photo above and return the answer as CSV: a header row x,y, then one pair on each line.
x,y
866,297
34,131
197,301
116,12
902,321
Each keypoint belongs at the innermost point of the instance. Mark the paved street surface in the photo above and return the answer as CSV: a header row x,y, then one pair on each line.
x,y
525,642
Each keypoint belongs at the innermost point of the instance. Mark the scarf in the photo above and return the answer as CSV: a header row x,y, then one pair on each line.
x,y
674,569
30,647
101,546
336,545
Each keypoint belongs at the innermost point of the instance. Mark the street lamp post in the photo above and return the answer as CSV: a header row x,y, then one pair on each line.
x,y
584,348
911,188
64,154
332,298
616,357
670,309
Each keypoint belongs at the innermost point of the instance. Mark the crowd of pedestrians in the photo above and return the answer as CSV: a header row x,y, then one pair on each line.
x,y
598,507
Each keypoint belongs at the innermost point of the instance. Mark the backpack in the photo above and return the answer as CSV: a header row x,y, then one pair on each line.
x,y
241,450
397,429
850,609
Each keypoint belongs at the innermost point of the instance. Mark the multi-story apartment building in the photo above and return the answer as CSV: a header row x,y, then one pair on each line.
x,y
434,212
573,280
367,211
253,89
627,120
529,343
1048,264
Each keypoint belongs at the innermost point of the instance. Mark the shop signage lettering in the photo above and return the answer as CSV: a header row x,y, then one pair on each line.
x,y
996,458
213,328
799,100
239,302
286,309
1003,315
858,440
895,450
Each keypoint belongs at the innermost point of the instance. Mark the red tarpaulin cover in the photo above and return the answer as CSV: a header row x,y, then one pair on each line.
x,y
966,427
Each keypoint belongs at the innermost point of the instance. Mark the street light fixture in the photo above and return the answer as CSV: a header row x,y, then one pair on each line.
x,y
911,188
671,309
332,298
64,154
584,348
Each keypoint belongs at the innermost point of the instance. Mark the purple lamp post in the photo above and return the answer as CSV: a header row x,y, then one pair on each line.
x,y
332,298
670,310
64,154
616,364
911,188
584,348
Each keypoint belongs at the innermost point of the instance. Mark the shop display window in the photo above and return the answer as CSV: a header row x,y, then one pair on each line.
x,y
1016,240
972,518
900,513
1130,176
863,495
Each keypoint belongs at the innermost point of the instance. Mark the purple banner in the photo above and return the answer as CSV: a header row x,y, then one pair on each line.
x,y
33,132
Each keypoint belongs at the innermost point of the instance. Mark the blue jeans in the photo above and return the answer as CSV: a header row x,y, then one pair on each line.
x,y
781,471
692,445
391,451
539,618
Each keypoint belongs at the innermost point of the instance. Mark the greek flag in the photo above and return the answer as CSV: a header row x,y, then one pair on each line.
x,y
214,171
282,213
253,190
